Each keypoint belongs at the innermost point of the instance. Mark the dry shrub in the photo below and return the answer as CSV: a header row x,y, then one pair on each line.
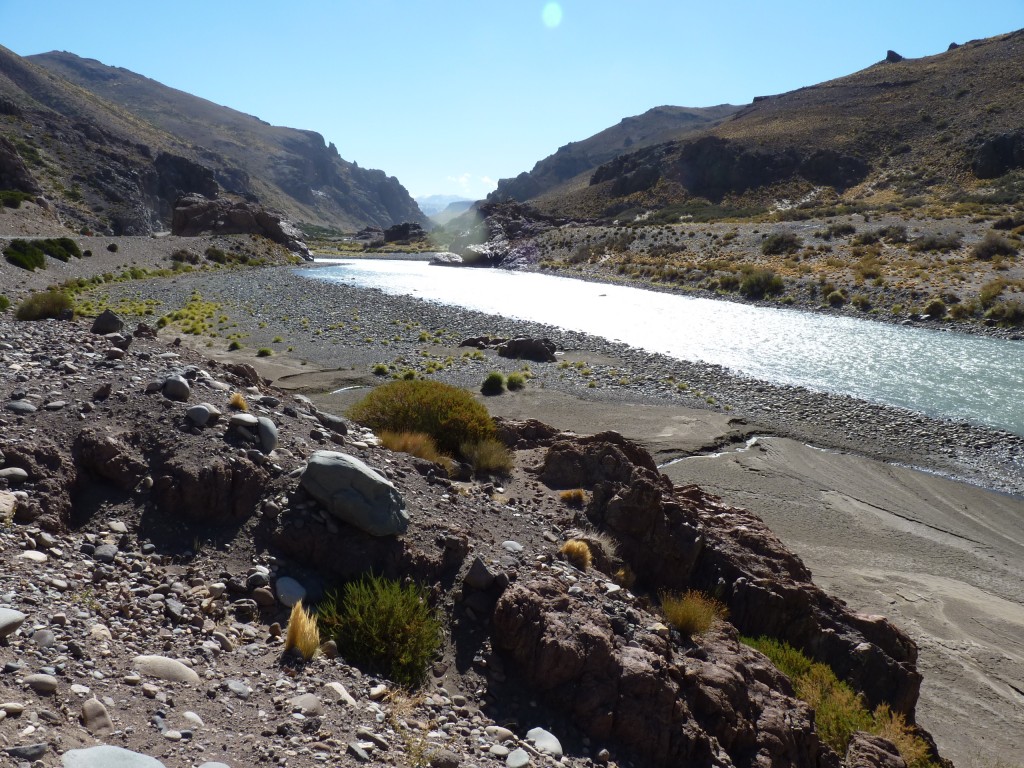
x,y
303,633
418,444
692,613
893,726
577,552
624,577
237,401
575,497
40,306
488,455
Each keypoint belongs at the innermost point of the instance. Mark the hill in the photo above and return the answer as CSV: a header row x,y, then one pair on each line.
x,y
580,158
900,133
113,150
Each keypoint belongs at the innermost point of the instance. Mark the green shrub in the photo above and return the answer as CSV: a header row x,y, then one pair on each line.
x,y
183,256
112,247
25,254
448,414
5,303
935,308
758,283
383,625
264,352
515,381
12,198
488,455
380,369
216,255
780,242
494,384
1008,313
861,302
836,230
692,613
39,306
936,242
993,245
836,298
234,346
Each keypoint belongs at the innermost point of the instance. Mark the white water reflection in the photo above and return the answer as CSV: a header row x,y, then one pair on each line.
x,y
944,374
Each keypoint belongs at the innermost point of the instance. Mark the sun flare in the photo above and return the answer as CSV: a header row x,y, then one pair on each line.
x,y
551,15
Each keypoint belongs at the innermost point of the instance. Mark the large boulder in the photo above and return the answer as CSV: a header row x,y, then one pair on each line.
x,y
355,493
196,215
525,348
868,751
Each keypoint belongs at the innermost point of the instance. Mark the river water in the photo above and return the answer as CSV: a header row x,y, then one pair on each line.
x,y
939,373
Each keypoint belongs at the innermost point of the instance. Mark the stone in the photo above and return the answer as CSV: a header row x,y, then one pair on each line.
x,y
523,348
355,493
518,758
378,692
497,733
479,576
307,704
164,668
107,322
289,591
443,758
358,752
203,414
20,406
246,420
196,214
42,684
545,741
95,718
337,693
8,506
176,388
512,546
27,752
239,689
266,429
14,475
105,756
10,620
33,556
105,553
868,751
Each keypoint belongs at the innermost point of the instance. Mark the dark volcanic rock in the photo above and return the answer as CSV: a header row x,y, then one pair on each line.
x,y
995,156
195,215
523,348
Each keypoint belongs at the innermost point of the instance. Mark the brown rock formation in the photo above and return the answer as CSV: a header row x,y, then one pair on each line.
x,y
196,215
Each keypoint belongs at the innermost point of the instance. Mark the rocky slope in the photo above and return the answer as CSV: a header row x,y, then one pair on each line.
x,y
939,129
113,150
157,535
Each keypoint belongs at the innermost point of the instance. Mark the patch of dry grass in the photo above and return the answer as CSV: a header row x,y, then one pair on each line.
x,y
692,613
303,632
418,444
578,553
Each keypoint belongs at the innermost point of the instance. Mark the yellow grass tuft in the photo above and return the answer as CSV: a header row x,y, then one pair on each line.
x,y
574,498
578,553
237,401
692,613
418,444
303,632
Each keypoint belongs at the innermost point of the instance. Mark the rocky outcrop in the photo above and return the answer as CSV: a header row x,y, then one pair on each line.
x,y
682,538
867,751
995,156
13,173
718,703
526,348
405,232
502,235
197,215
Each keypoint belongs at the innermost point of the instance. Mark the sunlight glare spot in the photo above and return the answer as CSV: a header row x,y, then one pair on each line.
x,y
552,15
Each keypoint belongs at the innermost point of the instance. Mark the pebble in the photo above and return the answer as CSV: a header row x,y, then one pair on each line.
x,y
308,704
517,758
106,756
289,591
337,693
512,546
10,620
95,718
378,692
545,741
164,668
42,684
239,689
33,556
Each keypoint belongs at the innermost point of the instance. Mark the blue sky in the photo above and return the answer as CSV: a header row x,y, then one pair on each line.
x,y
451,95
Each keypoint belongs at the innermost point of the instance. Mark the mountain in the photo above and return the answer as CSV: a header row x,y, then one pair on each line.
x,y
938,128
580,158
113,150
433,204
451,212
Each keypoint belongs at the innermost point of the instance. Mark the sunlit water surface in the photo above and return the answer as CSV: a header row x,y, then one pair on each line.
x,y
950,375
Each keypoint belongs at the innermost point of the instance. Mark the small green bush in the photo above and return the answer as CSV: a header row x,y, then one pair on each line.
x,y
380,369
836,230
836,298
758,283
448,414
384,625
5,303
1008,313
935,308
936,242
264,352
25,254
184,256
993,245
778,243
11,198
216,255
515,381
692,613
40,306
494,384
112,247
234,346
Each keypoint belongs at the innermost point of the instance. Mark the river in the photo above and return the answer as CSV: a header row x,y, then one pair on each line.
x,y
939,373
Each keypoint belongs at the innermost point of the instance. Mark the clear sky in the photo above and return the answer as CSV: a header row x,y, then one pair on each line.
x,y
451,95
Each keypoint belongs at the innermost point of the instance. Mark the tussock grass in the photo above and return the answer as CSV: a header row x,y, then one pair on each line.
x,y
40,306
578,553
574,497
384,625
451,416
515,381
303,632
692,613
417,444
839,711
238,402
494,383
488,455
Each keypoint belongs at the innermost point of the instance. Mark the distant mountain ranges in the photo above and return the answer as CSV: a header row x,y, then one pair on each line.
x,y
943,128
113,150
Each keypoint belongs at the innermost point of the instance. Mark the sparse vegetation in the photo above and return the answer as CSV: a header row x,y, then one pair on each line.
x,y
936,242
12,198
515,381
31,254
574,497
692,613
578,553
758,283
303,633
448,414
935,308
488,455
779,243
384,625
44,305
264,352
992,245
417,444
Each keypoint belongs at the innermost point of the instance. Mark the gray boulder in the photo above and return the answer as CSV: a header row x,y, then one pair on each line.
x,y
523,348
355,493
105,756
107,322
176,388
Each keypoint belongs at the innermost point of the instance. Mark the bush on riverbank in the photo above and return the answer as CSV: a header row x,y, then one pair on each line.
x,y
448,414
418,444
758,283
488,455
494,384
40,306
779,243
31,254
